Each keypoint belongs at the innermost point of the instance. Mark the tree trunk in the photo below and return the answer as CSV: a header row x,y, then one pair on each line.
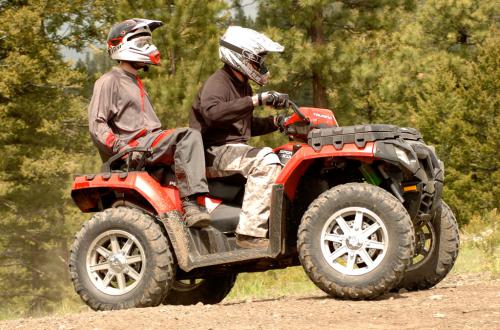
x,y
318,39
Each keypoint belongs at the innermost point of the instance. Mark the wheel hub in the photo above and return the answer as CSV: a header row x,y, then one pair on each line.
x,y
117,262
354,243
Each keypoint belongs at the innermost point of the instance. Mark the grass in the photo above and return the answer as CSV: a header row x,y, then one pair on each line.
x,y
480,245
272,284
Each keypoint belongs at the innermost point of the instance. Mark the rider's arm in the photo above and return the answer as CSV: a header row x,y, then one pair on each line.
x,y
219,106
263,125
101,109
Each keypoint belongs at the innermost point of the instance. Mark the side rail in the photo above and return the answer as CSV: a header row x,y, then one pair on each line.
x,y
127,155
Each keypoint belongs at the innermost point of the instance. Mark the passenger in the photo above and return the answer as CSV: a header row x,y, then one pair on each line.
x,y
223,112
121,116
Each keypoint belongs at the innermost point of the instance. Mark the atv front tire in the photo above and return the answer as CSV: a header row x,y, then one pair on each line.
x,y
355,241
120,259
209,291
436,251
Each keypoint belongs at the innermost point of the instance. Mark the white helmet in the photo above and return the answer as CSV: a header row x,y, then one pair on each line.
x,y
131,41
244,50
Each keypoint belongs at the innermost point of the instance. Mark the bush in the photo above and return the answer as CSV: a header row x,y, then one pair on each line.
x,y
483,234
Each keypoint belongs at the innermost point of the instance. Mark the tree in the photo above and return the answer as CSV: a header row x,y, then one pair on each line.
x,y
462,120
333,54
41,140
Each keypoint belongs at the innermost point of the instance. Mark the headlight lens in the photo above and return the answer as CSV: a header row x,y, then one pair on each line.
x,y
403,156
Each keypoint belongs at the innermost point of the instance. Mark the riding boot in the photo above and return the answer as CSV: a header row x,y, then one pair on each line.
x,y
195,216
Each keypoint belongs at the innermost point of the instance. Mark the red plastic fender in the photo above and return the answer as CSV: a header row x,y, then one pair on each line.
x,y
162,198
296,167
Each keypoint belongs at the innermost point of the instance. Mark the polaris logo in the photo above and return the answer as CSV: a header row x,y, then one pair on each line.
x,y
322,116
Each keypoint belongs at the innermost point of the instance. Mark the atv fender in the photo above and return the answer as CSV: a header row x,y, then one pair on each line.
x,y
87,191
306,155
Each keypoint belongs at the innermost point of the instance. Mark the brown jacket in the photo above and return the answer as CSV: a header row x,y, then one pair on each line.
x,y
223,111
119,112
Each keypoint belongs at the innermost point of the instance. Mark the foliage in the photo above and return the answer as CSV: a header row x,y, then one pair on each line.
x,y
462,120
41,138
432,65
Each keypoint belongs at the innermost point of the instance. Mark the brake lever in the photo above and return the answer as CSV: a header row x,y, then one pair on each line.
x,y
296,109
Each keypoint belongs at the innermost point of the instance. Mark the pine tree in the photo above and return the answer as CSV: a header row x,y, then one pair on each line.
x,y
462,120
438,58
42,142
333,54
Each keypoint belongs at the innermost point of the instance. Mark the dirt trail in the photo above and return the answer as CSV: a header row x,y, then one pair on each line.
x,y
459,302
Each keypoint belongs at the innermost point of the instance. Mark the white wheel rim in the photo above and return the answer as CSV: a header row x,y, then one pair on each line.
x,y
354,241
115,262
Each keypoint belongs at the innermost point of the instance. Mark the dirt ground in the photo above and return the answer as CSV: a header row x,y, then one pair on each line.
x,y
467,301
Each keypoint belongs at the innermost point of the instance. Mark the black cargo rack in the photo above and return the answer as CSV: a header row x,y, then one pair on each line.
x,y
359,135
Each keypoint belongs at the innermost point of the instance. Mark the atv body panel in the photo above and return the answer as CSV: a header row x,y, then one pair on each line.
x,y
95,192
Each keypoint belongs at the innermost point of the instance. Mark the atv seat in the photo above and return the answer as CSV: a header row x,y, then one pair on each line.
x,y
225,217
230,189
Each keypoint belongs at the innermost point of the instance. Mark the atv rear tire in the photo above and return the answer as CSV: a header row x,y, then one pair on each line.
x,y
120,259
209,291
355,241
437,249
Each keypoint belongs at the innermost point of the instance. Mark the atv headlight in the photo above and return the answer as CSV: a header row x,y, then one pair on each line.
x,y
403,156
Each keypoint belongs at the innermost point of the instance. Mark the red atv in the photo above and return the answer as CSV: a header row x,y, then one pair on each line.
x,y
359,207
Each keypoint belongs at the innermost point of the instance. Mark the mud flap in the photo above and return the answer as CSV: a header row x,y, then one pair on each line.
x,y
191,254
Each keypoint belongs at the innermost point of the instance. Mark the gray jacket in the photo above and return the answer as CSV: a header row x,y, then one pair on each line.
x,y
119,112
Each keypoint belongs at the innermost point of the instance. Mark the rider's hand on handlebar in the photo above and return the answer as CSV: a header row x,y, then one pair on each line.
x,y
279,121
277,100
271,98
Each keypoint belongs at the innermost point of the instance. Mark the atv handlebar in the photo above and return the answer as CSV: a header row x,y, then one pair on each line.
x,y
106,167
296,109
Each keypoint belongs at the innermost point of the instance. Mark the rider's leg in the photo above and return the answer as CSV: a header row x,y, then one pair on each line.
x,y
261,167
184,148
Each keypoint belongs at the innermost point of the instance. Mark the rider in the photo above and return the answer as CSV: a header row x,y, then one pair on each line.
x,y
121,116
223,112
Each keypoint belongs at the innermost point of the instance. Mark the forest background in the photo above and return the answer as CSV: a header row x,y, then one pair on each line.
x,y
433,65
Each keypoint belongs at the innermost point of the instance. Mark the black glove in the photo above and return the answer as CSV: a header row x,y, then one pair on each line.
x,y
274,99
279,121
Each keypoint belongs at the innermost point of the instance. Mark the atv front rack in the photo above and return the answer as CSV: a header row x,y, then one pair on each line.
x,y
359,135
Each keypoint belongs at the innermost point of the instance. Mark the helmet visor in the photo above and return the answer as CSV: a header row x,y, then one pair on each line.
x,y
142,42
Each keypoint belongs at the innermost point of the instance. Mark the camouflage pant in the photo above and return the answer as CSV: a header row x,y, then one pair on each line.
x,y
261,168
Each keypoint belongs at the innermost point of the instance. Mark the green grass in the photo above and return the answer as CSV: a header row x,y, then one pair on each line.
x,y
272,284
480,245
